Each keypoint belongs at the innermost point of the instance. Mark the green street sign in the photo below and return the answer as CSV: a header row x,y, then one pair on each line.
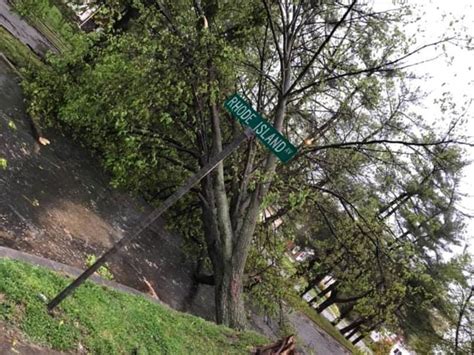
x,y
267,134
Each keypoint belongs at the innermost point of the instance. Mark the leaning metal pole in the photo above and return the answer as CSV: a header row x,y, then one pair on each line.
x,y
147,221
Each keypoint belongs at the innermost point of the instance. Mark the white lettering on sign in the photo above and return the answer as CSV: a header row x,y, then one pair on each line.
x,y
250,118
233,101
273,139
260,128
277,144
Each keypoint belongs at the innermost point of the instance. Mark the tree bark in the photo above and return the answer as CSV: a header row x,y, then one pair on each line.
x,y
229,303
353,325
235,245
312,284
205,279
459,322
231,233
328,302
353,332
343,314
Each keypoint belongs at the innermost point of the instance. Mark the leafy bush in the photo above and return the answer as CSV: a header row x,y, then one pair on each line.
x,y
103,270
117,104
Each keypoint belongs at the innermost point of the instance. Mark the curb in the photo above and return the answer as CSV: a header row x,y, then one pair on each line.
x,y
71,271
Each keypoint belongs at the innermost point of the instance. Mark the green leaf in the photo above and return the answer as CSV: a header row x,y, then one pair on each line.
x,y
3,163
12,125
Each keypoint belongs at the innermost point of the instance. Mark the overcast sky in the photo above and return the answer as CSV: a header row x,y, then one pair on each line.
x,y
438,19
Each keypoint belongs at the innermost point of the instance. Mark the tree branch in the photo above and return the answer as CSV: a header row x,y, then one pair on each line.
x,y
319,50
389,141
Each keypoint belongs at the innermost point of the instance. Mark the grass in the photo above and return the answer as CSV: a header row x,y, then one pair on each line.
x,y
290,267
47,18
105,321
16,52
298,303
65,10
103,271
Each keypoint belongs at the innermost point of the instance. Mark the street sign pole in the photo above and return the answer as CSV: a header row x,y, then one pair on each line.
x,y
152,217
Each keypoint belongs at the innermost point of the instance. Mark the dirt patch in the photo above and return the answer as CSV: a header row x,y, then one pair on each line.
x,y
12,341
77,221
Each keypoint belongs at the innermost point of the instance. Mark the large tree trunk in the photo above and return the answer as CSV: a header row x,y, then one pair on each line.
x,y
312,284
231,244
353,332
229,228
353,325
229,302
344,313
328,302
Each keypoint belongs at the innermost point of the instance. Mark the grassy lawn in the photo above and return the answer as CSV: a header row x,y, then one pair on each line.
x,y
335,310
19,54
289,266
298,303
47,18
106,321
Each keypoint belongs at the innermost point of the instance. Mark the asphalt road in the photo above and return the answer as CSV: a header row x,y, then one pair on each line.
x,y
314,337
